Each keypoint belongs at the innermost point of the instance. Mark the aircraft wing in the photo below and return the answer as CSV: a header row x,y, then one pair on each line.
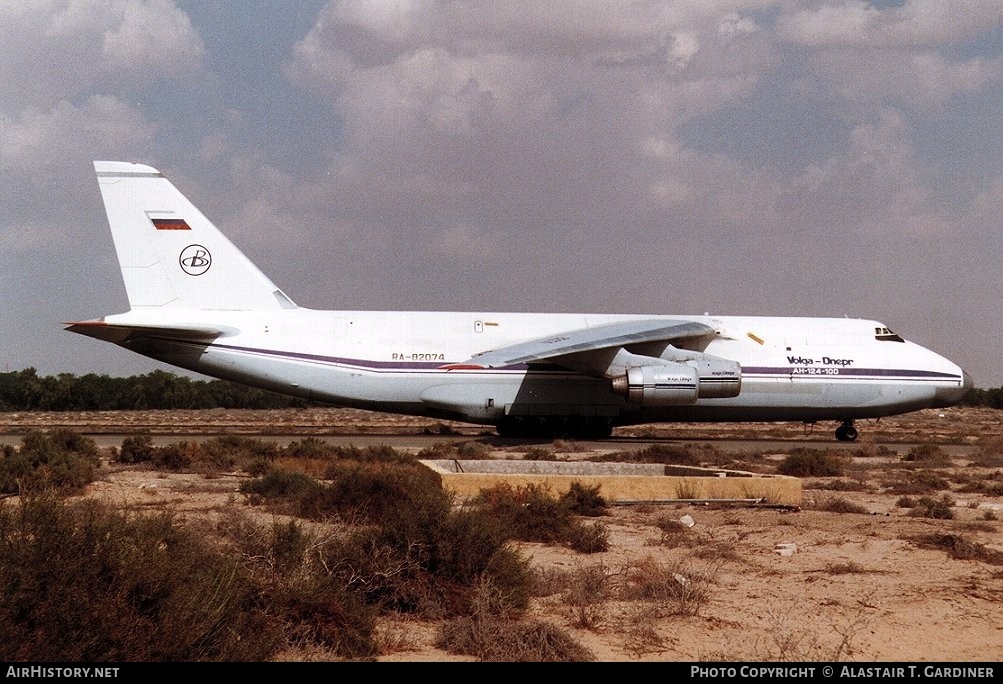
x,y
119,333
580,340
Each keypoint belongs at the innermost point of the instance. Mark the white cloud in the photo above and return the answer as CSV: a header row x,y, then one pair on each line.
x,y
466,95
56,50
916,23
873,191
37,142
153,36
920,79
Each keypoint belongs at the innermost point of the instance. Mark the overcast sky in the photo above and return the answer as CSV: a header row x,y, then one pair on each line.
x,y
817,157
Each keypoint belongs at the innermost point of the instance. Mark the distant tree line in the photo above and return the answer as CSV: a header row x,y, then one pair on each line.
x,y
25,390
992,398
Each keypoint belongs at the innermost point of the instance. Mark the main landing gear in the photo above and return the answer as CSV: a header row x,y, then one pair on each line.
x,y
550,427
846,432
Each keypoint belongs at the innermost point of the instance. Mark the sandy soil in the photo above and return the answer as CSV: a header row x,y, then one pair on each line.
x,y
858,586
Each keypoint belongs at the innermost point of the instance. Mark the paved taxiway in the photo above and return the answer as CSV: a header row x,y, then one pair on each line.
x,y
412,442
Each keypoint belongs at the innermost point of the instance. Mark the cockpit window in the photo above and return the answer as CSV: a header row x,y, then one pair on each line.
x,y
886,335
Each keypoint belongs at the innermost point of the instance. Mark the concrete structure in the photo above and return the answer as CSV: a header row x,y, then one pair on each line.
x,y
621,483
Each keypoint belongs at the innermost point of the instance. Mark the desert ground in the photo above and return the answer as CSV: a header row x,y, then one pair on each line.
x,y
850,575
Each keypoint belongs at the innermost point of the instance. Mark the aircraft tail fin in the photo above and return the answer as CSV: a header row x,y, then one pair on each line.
x,y
170,254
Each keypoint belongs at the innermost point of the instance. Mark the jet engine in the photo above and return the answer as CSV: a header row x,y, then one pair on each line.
x,y
671,383
665,385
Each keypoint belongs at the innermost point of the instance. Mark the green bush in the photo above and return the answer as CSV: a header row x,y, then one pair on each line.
x,y
176,457
388,493
136,449
84,584
408,550
228,451
586,501
293,490
64,461
531,513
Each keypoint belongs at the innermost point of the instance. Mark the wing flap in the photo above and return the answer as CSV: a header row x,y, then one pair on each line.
x,y
581,340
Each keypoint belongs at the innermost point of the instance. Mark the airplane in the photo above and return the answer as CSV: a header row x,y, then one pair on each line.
x,y
198,303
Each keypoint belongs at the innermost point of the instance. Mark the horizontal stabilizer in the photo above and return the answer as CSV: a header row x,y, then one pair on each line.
x,y
120,333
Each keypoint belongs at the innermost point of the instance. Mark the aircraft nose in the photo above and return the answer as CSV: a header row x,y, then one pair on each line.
x,y
949,396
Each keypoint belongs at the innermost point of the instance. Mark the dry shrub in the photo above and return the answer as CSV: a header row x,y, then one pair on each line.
x,y
837,504
673,588
990,485
587,538
669,454
874,451
471,450
539,454
511,641
960,547
928,454
790,640
845,485
532,513
848,568
673,531
584,500
803,462
989,452
491,635
638,629
588,590
549,581
396,636
926,507
223,453
63,461
83,583
916,482
438,452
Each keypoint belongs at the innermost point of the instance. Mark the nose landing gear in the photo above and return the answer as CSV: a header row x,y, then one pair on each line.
x,y
846,432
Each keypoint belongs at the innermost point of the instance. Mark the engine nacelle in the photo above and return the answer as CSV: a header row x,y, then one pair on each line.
x,y
719,378
697,376
670,384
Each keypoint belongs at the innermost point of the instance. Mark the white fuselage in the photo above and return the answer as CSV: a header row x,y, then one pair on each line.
x,y
802,369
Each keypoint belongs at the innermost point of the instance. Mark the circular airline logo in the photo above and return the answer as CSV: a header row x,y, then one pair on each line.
x,y
195,260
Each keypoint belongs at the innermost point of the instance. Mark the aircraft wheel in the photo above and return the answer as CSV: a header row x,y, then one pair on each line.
x,y
509,427
846,433
526,427
594,428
